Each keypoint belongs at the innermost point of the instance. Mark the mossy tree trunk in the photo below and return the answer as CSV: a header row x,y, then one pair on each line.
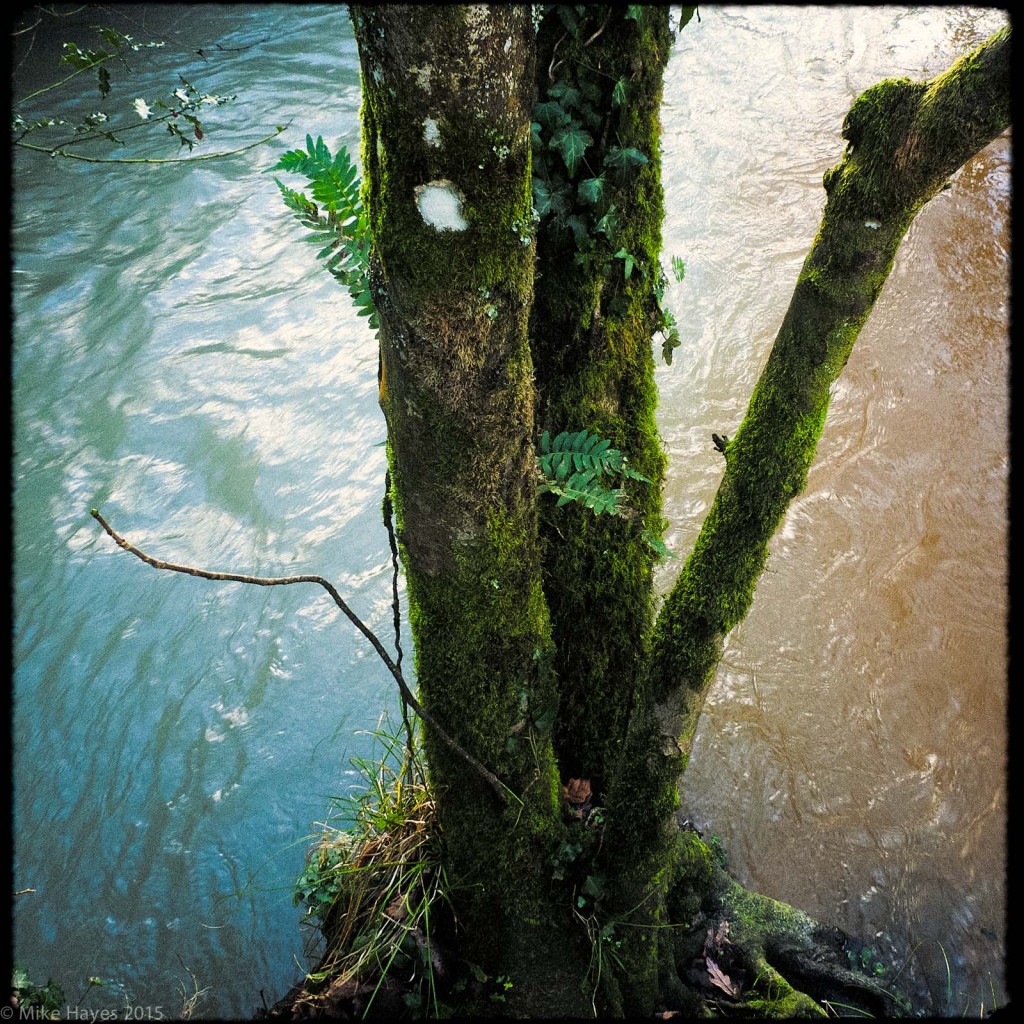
x,y
448,92
515,625
599,76
904,141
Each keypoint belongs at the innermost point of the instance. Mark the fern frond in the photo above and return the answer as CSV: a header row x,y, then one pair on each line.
x,y
334,180
335,216
589,491
577,451
572,464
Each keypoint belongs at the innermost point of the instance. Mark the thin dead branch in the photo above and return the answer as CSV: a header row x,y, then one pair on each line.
x,y
492,780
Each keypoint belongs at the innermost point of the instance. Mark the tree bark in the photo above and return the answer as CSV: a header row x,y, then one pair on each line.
x,y
447,163
904,141
447,99
591,333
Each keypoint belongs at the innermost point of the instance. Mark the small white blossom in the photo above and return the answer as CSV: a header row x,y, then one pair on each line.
x,y
142,109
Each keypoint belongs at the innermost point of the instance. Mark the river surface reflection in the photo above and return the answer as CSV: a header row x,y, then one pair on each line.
x,y
182,363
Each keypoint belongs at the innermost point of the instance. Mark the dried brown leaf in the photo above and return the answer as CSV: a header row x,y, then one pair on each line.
x,y
716,939
721,980
577,791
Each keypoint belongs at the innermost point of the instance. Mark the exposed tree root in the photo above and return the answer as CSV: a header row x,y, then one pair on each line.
x,y
750,954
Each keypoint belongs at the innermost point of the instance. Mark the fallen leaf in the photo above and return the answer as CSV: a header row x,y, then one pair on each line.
x,y
721,980
577,791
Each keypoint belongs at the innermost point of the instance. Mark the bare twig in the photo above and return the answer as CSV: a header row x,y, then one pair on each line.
x,y
492,780
150,160
553,67
604,25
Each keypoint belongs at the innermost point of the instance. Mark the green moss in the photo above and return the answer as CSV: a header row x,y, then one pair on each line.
x,y
457,391
591,335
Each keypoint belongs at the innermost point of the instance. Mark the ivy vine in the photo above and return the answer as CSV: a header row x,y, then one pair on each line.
x,y
580,170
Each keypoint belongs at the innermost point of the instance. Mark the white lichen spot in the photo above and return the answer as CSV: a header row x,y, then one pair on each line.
x,y
508,44
478,21
440,206
422,76
430,133
873,224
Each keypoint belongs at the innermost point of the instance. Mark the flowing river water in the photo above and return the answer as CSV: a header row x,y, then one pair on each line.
x,y
181,362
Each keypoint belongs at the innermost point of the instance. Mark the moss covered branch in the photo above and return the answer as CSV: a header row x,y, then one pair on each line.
x,y
904,141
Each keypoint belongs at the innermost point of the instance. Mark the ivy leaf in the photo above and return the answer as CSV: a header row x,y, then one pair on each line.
x,y
551,114
589,190
591,92
591,118
544,720
581,235
547,198
619,93
628,261
624,162
678,268
570,15
608,224
571,141
567,96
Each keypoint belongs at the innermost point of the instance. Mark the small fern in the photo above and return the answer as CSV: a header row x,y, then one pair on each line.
x,y
583,458
336,216
574,465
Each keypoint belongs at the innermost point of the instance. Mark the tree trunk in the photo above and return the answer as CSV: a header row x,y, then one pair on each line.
x,y
447,97
600,67
905,140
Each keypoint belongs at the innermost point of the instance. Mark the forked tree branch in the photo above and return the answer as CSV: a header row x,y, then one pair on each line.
x,y
904,141
489,777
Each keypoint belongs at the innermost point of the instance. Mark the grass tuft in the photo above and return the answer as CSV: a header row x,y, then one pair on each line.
x,y
373,890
